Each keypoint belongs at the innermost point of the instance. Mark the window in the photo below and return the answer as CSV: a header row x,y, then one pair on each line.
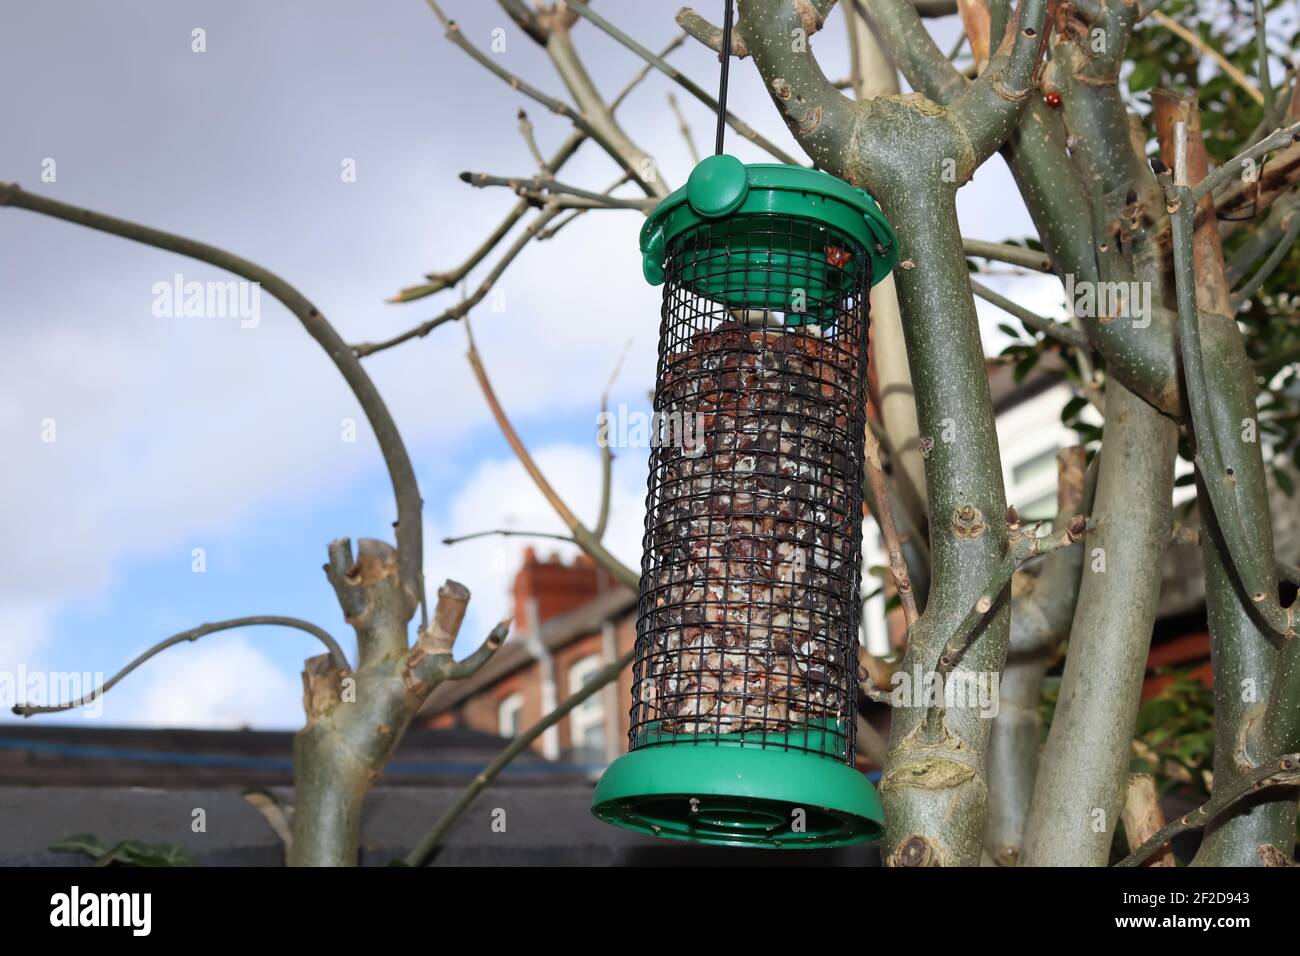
x,y
1036,470
510,714
587,720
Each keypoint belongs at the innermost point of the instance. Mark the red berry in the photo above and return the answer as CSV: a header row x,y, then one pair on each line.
x,y
1053,99
837,257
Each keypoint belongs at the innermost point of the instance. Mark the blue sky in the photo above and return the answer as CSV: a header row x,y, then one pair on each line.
x,y
176,434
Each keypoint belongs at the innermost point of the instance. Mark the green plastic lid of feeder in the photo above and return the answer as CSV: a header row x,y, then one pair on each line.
x,y
726,194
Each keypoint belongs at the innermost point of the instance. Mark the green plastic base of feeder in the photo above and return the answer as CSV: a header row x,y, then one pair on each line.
x,y
726,792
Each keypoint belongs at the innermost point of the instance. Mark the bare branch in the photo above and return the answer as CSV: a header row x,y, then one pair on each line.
x,y
698,28
446,280
913,50
1283,772
607,450
1207,407
400,472
1014,255
456,36
685,129
1232,168
542,191
572,214
1275,258
990,108
508,533
430,842
690,86
1053,330
582,536
1195,41
1143,817
564,56
530,140
469,666
336,654
1025,544
884,515
1269,98
461,309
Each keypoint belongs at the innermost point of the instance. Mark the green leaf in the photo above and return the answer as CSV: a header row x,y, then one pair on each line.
x,y
1024,366
1146,74
86,843
127,852
1072,409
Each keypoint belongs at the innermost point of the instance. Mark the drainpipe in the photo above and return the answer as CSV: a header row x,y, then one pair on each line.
x,y
540,653
609,652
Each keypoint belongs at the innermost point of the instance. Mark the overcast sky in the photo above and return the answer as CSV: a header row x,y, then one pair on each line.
x,y
177,434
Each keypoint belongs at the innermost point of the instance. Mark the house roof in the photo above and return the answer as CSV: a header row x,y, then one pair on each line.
x,y
70,755
554,634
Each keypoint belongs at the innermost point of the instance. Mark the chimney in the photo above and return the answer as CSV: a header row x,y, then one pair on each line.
x,y
556,587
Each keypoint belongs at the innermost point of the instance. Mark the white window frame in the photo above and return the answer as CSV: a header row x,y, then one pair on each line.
x,y
513,705
591,712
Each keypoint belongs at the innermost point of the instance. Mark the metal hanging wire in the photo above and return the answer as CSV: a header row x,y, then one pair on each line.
x,y
725,54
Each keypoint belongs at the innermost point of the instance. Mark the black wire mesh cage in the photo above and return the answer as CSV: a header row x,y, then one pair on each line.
x,y
745,677
748,618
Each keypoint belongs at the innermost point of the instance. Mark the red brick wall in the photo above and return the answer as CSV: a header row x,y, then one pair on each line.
x,y
555,586
480,711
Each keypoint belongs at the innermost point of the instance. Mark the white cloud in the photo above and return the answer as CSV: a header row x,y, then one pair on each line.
x,y
223,681
499,494
24,627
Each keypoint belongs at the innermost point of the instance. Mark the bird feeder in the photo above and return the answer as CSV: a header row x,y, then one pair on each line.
x,y
745,676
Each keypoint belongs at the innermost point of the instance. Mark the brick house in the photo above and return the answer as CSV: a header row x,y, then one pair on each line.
x,y
570,620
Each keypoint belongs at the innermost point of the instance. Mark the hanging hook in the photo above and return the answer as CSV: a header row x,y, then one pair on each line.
x,y
722,84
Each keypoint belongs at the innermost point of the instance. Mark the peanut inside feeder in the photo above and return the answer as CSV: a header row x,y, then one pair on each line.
x,y
744,684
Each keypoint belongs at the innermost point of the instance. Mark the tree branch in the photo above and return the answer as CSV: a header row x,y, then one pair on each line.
x,y
1236,498
336,655
582,536
431,841
1053,330
543,191
1233,167
406,491
1043,600
508,533
1014,255
349,737
462,308
1291,221
1194,40
1283,772
913,51
559,107
1079,789
989,109
884,515
686,83
1025,544
559,47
